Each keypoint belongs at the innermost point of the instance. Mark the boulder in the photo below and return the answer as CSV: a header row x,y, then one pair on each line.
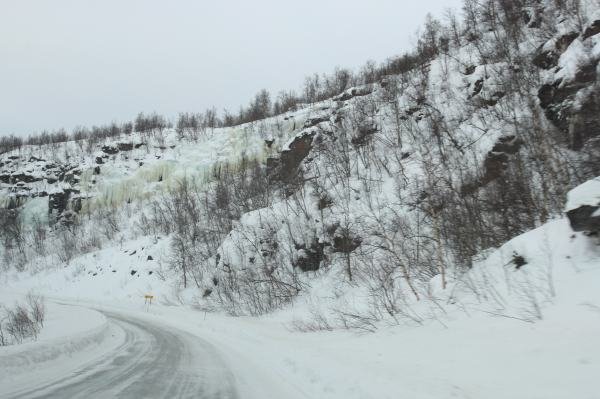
x,y
583,207
585,218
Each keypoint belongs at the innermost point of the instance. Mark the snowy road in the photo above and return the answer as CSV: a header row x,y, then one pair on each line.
x,y
152,361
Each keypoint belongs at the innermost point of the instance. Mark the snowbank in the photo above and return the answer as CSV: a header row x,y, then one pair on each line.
x,y
587,193
69,334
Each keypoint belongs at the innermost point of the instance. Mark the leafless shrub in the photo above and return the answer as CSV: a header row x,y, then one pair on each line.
x,y
23,321
318,322
37,308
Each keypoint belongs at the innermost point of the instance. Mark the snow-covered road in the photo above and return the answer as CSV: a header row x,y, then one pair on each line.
x,y
152,361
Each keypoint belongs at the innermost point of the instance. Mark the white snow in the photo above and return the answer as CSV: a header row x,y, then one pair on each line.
x,y
587,193
503,333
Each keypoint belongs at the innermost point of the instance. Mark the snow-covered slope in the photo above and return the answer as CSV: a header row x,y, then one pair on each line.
x,y
356,210
523,330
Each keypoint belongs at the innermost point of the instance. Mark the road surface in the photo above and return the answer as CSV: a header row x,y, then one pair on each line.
x,y
153,361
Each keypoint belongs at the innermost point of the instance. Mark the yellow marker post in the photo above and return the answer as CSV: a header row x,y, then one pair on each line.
x,y
148,300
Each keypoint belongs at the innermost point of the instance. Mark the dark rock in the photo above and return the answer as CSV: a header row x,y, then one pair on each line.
x,y
97,170
364,132
76,204
477,86
99,160
310,258
269,143
581,219
125,146
272,164
354,92
469,70
107,149
508,144
59,201
547,59
345,242
564,41
133,253
291,158
25,178
310,122
133,272
591,30
579,123
150,273
495,163
149,257
138,145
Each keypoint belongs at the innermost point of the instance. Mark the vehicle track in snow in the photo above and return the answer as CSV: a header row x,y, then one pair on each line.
x,y
153,361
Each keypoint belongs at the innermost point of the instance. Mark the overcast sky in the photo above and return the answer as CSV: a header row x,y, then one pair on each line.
x,y
81,62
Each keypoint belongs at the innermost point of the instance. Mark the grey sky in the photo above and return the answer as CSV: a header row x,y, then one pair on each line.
x,y
81,62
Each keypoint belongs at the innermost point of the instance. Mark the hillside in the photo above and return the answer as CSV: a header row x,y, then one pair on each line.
x,y
432,221
371,193
433,185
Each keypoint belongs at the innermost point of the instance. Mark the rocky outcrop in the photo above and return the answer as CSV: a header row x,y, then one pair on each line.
x,y
345,241
583,207
58,202
286,167
548,54
585,218
363,133
110,150
496,162
125,146
592,29
354,92
309,257
573,110
311,122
